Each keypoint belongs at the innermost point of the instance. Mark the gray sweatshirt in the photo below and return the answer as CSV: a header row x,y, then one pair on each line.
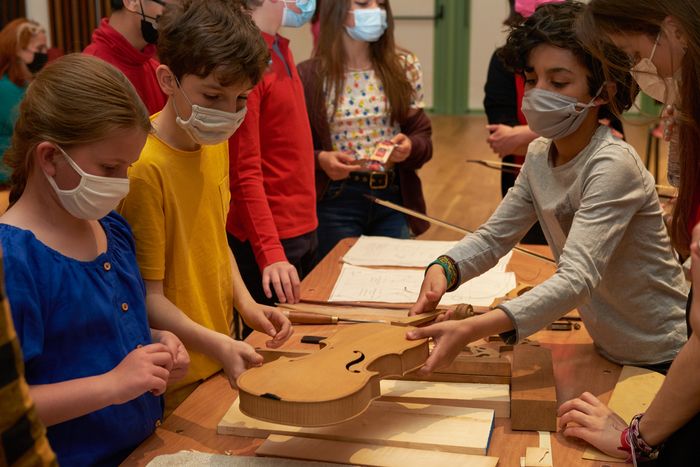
x,y
601,216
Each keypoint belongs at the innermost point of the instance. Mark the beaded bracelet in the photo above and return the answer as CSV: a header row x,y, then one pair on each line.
x,y
450,268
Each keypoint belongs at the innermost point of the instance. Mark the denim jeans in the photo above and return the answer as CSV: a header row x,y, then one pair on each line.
x,y
344,211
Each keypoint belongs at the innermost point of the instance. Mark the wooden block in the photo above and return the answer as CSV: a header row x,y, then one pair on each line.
x,y
533,394
480,396
294,447
635,389
449,429
454,378
538,457
475,360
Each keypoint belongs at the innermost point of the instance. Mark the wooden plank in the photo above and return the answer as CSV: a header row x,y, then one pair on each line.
x,y
533,393
477,360
196,459
386,423
294,447
480,396
635,389
454,378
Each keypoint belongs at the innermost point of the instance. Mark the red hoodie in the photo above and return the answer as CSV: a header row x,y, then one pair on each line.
x,y
139,66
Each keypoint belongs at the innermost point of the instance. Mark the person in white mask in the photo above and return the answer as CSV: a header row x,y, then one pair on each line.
x,y
597,206
71,267
362,90
211,56
662,40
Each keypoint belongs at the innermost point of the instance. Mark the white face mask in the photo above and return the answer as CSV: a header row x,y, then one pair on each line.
x,y
554,115
209,126
94,197
645,74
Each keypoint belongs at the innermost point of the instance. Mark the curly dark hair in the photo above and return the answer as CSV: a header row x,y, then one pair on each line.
x,y
554,24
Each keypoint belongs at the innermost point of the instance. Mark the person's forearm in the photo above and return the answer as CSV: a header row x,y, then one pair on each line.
x,y
163,314
490,323
678,400
60,402
242,299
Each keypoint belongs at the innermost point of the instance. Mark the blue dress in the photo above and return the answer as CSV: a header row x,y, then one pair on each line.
x,y
76,319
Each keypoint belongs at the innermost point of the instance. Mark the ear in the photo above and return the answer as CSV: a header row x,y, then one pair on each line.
x,y
609,91
132,5
44,156
166,79
674,29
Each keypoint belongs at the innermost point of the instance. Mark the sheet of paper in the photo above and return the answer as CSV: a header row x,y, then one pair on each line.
x,y
403,285
386,251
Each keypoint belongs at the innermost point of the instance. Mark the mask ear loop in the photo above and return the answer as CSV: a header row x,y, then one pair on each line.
x,y
179,86
154,20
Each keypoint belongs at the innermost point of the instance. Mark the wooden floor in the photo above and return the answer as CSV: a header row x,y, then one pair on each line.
x,y
461,193
466,194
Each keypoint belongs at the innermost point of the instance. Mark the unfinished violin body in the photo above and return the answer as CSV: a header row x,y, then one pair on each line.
x,y
333,384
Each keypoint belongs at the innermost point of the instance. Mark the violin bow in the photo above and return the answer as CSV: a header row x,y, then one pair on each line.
x,y
447,225
664,191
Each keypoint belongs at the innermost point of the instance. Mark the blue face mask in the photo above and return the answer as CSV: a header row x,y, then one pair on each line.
x,y
292,19
370,24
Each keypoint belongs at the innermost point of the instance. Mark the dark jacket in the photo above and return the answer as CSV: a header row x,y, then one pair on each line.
x,y
416,127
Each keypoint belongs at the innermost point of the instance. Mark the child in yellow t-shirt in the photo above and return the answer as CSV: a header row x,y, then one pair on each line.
x,y
211,56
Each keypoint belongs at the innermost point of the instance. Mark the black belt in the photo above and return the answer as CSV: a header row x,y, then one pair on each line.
x,y
375,180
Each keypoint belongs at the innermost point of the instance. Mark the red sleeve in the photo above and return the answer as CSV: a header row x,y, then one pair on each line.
x,y
249,201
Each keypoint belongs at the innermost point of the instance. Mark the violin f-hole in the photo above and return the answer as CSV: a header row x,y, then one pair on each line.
x,y
357,360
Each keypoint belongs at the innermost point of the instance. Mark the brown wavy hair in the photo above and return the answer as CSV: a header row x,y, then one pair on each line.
x,y
386,61
14,37
200,37
603,17
78,99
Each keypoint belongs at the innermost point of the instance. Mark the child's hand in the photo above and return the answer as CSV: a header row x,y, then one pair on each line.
x,y
142,370
431,291
268,320
236,357
590,420
450,338
505,140
336,164
284,278
402,149
181,359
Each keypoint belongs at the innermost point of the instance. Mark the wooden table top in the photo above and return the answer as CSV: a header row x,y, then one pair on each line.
x,y
577,368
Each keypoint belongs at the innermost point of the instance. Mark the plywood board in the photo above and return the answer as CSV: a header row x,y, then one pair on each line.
x,y
533,393
198,459
449,429
635,389
482,396
295,447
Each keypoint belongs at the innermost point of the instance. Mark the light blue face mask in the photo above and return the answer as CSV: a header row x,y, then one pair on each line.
x,y
292,19
370,24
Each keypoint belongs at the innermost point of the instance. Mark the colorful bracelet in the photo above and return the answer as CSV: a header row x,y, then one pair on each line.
x,y
632,443
451,271
643,449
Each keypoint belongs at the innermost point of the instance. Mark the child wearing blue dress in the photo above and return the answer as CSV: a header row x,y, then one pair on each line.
x,y
95,369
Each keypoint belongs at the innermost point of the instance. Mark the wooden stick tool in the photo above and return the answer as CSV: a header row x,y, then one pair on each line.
x,y
455,228
305,317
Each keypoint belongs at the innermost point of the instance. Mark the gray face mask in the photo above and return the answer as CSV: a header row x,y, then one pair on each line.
x,y
554,115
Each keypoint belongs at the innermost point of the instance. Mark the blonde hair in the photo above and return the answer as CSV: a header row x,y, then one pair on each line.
x,y
75,100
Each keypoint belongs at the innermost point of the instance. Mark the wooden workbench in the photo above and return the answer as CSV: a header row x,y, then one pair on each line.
x,y
577,367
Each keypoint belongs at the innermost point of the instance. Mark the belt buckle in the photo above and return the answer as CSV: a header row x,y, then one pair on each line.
x,y
380,185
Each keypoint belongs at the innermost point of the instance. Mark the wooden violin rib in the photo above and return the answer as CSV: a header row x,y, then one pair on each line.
x,y
334,384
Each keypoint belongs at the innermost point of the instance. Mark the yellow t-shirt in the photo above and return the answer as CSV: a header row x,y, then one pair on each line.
x,y
177,207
